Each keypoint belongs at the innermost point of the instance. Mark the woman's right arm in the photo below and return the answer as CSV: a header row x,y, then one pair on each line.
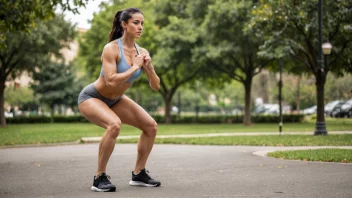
x,y
111,77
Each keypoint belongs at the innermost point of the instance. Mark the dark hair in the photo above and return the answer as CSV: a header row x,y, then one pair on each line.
x,y
122,15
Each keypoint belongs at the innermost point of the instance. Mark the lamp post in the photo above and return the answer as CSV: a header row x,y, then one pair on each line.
x,y
280,96
320,127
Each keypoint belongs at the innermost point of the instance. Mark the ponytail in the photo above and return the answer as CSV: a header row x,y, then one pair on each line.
x,y
116,30
122,15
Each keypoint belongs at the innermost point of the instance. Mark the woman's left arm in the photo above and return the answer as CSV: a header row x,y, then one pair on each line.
x,y
154,80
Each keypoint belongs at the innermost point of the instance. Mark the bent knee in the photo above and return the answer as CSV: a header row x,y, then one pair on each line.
x,y
151,129
113,129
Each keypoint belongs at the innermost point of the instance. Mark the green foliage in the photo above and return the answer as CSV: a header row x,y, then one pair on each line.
x,y
291,28
22,15
28,120
28,52
175,60
338,87
25,52
18,96
56,84
231,48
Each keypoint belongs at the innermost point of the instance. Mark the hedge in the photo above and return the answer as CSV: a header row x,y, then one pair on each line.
x,y
219,119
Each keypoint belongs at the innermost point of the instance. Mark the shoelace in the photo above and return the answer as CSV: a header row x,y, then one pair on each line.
x,y
105,179
146,173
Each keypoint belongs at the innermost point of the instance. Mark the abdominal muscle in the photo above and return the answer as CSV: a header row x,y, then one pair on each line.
x,y
111,93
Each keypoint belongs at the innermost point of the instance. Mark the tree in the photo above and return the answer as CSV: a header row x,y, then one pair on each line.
x,y
292,26
231,48
26,52
55,83
18,15
177,39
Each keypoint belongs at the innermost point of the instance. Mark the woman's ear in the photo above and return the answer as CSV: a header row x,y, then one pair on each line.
x,y
124,25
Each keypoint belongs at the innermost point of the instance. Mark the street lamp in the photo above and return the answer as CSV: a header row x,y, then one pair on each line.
x,y
326,49
320,127
280,96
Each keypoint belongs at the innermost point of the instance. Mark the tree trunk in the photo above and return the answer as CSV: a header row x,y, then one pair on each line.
x,y
2,104
52,108
247,106
298,94
167,101
320,122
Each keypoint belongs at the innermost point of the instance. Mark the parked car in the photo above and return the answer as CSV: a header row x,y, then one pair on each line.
x,y
346,109
335,112
267,109
310,110
330,106
8,114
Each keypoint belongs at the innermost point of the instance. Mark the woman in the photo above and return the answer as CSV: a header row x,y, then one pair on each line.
x,y
104,103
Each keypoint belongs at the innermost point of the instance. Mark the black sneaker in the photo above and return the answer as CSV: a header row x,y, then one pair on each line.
x,y
102,184
143,179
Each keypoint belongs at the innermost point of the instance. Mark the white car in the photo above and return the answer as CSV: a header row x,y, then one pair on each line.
x,y
310,110
8,114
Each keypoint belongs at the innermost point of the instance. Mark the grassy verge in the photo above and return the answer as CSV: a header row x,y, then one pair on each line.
x,y
70,132
324,155
284,140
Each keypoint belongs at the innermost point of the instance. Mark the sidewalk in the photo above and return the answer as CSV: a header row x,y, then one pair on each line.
x,y
97,139
185,171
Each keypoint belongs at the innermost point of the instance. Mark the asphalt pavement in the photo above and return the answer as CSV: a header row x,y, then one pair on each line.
x,y
184,170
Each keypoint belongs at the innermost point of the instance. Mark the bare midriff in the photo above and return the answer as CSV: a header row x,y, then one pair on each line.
x,y
111,93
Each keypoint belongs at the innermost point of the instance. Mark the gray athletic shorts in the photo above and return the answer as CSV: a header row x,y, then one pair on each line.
x,y
91,92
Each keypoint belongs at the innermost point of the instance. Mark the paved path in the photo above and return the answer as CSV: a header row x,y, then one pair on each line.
x,y
184,170
97,139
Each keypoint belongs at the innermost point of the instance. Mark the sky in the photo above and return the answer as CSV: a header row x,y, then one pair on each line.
x,y
85,14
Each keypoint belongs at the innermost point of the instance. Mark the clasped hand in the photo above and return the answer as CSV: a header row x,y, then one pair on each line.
x,y
142,60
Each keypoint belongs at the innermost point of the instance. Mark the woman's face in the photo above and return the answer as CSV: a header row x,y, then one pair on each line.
x,y
134,26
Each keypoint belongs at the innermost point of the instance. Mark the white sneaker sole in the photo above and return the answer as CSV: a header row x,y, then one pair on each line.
x,y
95,189
136,183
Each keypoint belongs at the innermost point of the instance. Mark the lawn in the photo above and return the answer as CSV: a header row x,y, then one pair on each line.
x,y
70,132
325,155
265,140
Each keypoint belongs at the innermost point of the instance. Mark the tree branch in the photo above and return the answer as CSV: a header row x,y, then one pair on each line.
x,y
335,32
301,60
261,66
345,44
231,75
238,64
188,78
163,86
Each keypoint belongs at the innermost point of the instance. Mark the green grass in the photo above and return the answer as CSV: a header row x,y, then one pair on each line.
x,y
70,132
325,155
266,140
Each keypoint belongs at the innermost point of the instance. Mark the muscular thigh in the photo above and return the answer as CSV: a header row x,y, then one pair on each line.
x,y
97,112
132,114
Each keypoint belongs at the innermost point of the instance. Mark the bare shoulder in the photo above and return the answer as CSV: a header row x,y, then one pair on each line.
x,y
143,50
111,50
